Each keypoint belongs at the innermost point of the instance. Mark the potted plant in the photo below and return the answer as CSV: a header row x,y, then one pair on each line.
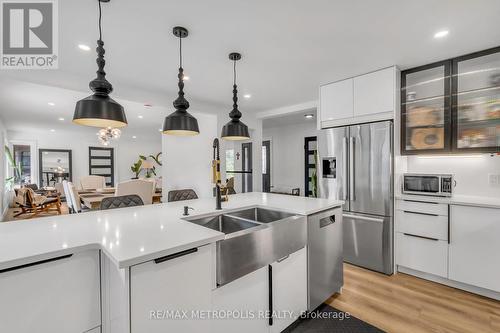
x,y
144,163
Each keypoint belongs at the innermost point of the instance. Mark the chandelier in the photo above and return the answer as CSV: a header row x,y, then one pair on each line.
x,y
105,135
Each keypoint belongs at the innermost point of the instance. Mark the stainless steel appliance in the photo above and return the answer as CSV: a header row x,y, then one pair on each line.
x,y
324,256
356,165
428,184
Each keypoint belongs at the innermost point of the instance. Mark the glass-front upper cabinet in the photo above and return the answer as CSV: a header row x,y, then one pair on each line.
x,y
476,102
452,106
425,107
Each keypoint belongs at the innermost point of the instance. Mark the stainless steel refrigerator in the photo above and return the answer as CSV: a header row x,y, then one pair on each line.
x,y
356,165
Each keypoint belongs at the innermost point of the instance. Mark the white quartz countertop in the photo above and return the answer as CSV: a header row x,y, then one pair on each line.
x,y
461,200
129,236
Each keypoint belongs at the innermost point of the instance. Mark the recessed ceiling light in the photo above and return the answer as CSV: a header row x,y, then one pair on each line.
x,y
84,47
61,119
51,103
52,130
441,34
185,77
247,96
134,137
140,116
309,115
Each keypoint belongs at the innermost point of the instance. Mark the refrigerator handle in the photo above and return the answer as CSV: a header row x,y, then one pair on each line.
x,y
344,176
352,194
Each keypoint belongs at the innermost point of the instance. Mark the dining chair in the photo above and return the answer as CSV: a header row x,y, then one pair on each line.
x,y
92,182
60,190
143,188
180,195
121,201
76,205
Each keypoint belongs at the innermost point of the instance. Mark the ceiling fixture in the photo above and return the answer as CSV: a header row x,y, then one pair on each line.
x,y
52,130
441,34
186,78
235,129
61,119
180,122
247,96
51,103
140,116
99,110
105,135
309,115
84,47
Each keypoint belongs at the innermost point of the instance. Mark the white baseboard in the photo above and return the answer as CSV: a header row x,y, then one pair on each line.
x,y
450,283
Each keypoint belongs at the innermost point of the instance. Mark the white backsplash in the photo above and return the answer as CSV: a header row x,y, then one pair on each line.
x,y
471,172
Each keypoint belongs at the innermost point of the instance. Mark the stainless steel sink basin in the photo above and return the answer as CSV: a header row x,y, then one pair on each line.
x,y
224,223
255,238
261,215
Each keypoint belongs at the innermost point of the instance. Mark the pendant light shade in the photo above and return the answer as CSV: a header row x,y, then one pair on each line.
x,y
180,122
100,110
235,129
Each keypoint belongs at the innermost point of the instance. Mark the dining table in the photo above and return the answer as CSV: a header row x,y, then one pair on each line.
x,y
92,198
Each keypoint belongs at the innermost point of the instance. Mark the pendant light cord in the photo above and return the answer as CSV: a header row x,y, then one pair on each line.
x,y
234,72
180,52
100,16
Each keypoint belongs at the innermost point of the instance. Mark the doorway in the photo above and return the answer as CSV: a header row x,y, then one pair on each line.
x,y
246,167
310,181
266,166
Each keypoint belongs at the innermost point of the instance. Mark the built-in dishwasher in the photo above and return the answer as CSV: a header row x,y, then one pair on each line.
x,y
325,275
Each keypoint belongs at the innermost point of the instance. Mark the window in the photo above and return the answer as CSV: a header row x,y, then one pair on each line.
x,y
22,157
229,160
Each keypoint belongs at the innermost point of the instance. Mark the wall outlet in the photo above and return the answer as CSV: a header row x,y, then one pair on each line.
x,y
494,179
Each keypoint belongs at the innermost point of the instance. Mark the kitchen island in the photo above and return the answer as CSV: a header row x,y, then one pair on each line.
x,y
111,271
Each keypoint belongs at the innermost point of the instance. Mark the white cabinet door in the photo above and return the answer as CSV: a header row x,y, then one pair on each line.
x,y
475,246
289,289
183,283
56,296
246,296
422,254
375,92
336,101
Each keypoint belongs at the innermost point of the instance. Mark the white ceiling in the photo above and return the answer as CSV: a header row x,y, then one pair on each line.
x,y
288,48
290,119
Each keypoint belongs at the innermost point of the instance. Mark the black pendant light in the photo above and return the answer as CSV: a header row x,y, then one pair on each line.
x,y
180,122
99,110
235,129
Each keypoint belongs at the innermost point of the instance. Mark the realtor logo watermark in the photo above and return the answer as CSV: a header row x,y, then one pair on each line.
x,y
29,34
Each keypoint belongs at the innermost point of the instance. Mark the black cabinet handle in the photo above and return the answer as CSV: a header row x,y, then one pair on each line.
x,y
34,263
175,255
270,276
427,202
417,236
419,213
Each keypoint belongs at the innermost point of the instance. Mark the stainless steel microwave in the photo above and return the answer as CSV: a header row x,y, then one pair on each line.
x,y
428,184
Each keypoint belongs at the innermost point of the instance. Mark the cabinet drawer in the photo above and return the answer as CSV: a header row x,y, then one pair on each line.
x,y
421,254
422,207
422,224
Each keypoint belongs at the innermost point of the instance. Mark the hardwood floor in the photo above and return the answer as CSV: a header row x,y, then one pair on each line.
x,y
403,303
9,216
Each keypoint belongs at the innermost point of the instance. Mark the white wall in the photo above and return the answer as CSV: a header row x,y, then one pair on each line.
x,y
188,160
287,154
471,172
127,151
